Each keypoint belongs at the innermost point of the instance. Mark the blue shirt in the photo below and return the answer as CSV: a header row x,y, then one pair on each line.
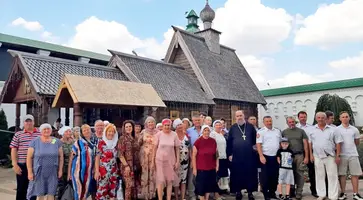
x,y
193,134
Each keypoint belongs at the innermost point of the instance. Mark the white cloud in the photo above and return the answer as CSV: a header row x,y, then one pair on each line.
x,y
298,78
348,62
29,25
251,27
49,37
99,35
332,25
256,68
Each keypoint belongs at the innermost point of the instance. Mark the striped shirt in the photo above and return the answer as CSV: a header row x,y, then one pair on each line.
x,y
21,141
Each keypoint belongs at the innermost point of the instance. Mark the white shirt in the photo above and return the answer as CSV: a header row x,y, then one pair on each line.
x,y
304,127
324,141
221,144
270,140
349,134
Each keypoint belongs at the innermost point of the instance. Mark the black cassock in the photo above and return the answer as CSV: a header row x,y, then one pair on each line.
x,y
245,160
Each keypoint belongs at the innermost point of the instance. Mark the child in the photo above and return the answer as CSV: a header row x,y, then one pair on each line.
x,y
286,175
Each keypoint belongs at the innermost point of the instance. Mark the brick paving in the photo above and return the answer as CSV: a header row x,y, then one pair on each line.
x,y
8,185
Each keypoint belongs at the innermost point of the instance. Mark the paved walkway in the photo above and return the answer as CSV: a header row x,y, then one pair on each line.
x,y
8,185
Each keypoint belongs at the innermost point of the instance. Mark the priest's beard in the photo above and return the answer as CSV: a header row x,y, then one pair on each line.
x,y
240,122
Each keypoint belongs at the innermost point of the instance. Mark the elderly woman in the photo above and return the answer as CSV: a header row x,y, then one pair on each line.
x,y
76,131
66,133
146,143
159,126
45,164
184,157
166,159
106,171
222,173
186,124
208,121
80,171
205,164
128,149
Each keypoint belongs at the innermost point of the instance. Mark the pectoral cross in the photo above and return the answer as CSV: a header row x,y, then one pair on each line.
x,y
244,137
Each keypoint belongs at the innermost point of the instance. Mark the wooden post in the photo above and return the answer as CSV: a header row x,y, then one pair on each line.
x,y
17,116
44,113
77,115
66,121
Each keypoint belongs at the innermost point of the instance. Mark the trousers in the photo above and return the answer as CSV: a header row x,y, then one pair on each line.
x,y
190,183
298,174
269,175
22,183
326,166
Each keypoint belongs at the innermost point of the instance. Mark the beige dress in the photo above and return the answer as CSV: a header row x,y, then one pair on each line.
x,y
146,143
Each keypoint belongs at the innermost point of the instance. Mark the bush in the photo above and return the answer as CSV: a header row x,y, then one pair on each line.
x,y
5,139
3,121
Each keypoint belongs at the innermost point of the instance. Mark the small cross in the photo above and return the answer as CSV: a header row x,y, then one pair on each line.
x,y
244,137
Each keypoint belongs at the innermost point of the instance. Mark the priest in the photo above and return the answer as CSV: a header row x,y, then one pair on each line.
x,y
241,151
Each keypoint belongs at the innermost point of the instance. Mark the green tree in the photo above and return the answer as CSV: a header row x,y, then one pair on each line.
x,y
3,121
335,104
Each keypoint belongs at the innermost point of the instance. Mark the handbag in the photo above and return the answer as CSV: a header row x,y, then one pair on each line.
x,y
68,192
119,190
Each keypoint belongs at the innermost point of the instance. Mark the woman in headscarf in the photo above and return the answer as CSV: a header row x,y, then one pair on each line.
x,y
146,143
205,164
186,124
106,171
184,157
80,171
76,132
222,173
67,140
45,164
166,159
159,126
128,149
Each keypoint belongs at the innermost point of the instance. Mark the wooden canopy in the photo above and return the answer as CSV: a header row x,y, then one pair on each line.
x,y
93,90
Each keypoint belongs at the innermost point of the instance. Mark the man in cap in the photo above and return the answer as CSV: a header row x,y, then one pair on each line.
x,y
19,147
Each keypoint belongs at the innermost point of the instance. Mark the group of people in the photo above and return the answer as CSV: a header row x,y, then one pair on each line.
x,y
190,158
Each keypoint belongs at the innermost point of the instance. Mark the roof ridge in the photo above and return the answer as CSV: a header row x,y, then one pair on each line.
x,y
200,37
145,59
65,48
328,85
55,59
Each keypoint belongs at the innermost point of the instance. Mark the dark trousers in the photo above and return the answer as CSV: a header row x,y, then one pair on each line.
x,y
269,176
312,177
22,183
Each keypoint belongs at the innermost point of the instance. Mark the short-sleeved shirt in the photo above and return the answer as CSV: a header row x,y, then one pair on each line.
x,y
324,141
305,127
349,134
296,138
286,158
193,134
166,144
269,139
206,153
21,141
221,144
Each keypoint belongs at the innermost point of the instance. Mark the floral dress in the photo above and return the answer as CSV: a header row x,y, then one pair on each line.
x,y
146,143
108,171
184,159
128,148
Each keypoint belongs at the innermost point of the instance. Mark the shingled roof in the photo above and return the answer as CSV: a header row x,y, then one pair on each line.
x,y
47,72
170,81
224,72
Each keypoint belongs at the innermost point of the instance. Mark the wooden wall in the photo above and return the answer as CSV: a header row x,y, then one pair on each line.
x,y
183,110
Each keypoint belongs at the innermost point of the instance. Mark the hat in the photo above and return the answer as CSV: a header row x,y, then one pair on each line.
x,y
177,122
28,117
284,139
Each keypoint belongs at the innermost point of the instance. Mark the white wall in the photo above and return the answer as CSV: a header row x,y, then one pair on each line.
x,y
279,107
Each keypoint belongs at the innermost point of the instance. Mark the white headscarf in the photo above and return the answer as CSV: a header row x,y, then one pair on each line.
x,y
177,122
43,126
63,130
215,122
110,143
204,127
106,122
158,125
186,119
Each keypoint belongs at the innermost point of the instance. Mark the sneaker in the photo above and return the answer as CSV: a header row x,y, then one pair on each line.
x,y
356,196
287,197
342,196
281,197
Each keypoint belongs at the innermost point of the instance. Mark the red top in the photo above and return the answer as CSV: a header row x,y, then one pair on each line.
x,y
206,155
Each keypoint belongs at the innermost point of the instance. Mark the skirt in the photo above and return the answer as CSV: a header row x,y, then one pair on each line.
x,y
206,182
223,168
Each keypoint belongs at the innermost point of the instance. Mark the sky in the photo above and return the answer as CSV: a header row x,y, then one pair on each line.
x,y
280,42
